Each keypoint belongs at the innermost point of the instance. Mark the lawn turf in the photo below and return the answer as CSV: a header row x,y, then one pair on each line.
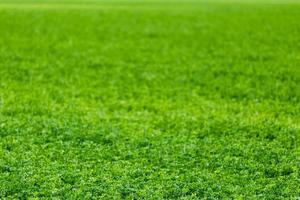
x,y
150,99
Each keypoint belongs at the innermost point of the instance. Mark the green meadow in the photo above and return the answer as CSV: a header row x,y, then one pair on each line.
x,y
151,99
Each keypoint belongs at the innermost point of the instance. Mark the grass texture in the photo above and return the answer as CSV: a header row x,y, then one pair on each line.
x,y
149,99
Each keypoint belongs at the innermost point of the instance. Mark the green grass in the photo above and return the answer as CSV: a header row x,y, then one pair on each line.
x,y
149,100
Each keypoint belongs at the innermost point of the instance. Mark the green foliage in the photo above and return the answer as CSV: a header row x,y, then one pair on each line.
x,y
153,100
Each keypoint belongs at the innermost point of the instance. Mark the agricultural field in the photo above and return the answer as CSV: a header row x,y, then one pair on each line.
x,y
150,99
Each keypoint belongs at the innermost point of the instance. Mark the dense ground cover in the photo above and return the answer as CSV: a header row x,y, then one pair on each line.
x,y
149,99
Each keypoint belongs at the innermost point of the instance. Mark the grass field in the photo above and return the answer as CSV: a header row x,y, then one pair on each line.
x,y
150,99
